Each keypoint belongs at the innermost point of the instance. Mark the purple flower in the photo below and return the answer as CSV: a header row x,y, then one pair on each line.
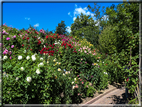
x,y
12,46
86,62
71,69
10,57
92,76
98,66
5,51
8,38
14,36
81,62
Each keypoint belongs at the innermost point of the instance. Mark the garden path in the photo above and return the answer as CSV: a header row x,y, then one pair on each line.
x,y
115,94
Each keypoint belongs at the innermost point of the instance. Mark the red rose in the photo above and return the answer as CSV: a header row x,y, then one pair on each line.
x,y
31,49
27,37
39,42
23,45
46,37
127,79
106,64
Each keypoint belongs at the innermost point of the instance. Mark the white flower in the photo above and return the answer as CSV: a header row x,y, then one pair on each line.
x,y
63,74
59,69
48,56
75,79
25,51
103,62
47,61
41,58
17,78
105,72
19,57
5,57
69,72
27,57
97,60
29,79
37,71
33,57
38,37
22,68
73,87
41,64
69,78
72,82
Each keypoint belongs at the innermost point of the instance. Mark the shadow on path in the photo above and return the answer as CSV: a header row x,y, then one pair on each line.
x,y
118,99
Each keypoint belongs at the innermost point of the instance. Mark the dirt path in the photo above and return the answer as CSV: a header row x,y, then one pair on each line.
x,y
115,97
115,94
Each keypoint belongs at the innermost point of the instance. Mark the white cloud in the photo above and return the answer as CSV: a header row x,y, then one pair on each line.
x,y
69,14
36,25
74,18
27,18
68,29
84,10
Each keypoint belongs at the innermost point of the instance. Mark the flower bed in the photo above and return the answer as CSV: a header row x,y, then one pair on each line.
x,y
37,68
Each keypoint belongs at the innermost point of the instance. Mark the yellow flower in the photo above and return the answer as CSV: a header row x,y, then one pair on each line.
x,y
47,62
59,63
94,63
59,69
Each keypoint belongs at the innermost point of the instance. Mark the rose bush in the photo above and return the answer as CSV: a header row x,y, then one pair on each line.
x,y
51,69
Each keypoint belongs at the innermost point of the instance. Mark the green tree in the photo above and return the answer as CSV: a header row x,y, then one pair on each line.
x,y
84,26
108,40
126,25
61,28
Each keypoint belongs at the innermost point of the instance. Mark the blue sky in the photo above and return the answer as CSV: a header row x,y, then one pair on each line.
x,y
45,15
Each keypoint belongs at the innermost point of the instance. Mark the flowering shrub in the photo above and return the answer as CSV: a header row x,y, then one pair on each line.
x,y
48,69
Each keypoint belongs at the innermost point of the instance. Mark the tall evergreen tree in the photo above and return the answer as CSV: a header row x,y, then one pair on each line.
x,y
61,28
